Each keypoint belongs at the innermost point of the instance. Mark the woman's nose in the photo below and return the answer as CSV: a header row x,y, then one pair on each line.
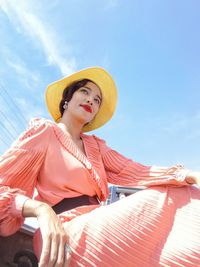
x,y
89,101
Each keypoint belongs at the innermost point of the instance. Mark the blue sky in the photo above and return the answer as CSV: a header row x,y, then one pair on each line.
x,y
151,48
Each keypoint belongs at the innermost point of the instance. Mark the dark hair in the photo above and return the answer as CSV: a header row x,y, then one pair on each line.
x,y
69,91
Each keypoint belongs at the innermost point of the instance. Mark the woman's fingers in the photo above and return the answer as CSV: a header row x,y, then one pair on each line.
x,y
61,253
45,254
53,250
60,246
67,255
54,238
193,177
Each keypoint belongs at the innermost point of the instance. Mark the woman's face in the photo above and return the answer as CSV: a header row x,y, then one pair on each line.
x,y
85,102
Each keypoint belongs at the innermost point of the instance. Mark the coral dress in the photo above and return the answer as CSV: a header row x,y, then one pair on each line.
x,y
158,226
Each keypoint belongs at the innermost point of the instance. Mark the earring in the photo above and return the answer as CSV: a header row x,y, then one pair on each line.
x,y
65,105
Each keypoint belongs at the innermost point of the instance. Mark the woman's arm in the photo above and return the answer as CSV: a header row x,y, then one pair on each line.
x,y
123,171
19,169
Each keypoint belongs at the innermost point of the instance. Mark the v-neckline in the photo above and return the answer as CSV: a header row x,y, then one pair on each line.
x,y
84,153
88,159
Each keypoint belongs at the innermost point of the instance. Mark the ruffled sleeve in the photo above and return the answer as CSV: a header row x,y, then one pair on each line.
x,y
19,168
126,172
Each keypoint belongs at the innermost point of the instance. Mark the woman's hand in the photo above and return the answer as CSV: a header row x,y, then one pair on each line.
x,y
193,178
53,235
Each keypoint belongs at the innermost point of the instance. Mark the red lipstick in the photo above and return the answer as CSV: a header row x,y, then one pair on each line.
x,y
87,108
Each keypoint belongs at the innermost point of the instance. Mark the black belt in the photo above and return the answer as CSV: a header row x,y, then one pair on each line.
x,y
74,202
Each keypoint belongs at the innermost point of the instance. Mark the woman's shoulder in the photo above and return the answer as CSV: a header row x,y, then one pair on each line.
x,y
37,122
92,137
94,140
36,127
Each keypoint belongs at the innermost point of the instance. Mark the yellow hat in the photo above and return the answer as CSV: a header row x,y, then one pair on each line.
x,y
101,78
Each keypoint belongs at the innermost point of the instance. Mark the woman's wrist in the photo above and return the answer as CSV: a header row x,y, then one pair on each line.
x,y
34,208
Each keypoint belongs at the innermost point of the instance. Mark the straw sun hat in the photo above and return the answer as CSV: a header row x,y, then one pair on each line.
x,y
101,78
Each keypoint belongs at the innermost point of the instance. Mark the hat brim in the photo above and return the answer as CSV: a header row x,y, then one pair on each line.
x,y
101,78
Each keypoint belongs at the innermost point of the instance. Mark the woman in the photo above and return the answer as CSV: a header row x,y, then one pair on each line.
x,y
71,171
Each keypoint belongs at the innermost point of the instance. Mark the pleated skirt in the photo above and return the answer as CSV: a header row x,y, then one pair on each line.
x,y
159,226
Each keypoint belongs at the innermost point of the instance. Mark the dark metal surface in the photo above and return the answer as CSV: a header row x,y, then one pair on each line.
x,y
16,250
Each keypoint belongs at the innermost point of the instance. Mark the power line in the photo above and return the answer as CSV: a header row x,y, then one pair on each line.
x,y
3,141
13,105
9,122
8,132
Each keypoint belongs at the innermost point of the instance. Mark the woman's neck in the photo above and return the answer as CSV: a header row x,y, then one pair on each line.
x,y
71,127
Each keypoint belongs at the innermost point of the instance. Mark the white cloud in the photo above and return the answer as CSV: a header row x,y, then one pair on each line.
x,y
21,69
28,78
15,67
22,16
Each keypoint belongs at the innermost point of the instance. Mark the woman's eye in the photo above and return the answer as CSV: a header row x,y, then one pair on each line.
x,y
97,101
85,91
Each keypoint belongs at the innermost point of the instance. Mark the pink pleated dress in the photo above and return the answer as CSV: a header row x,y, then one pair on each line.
x,y
158,226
